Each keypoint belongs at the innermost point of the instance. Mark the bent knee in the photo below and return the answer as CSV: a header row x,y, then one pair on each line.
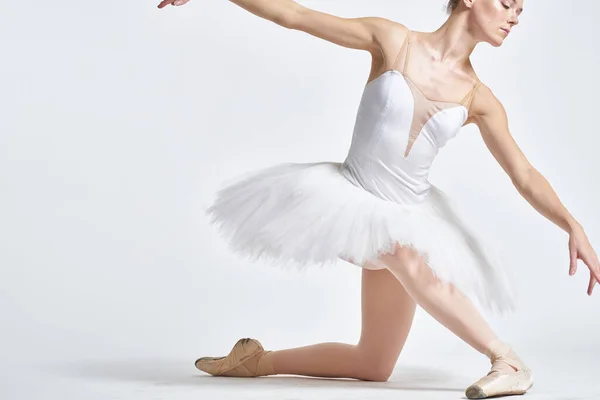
x,y
379,373
375,368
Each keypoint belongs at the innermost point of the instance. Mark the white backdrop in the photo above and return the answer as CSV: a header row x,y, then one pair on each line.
x,y
119,121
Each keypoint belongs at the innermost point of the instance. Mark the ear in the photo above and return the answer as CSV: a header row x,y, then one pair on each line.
x,y
468,3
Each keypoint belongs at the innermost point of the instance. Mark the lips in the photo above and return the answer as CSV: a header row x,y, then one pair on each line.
x,y
505,30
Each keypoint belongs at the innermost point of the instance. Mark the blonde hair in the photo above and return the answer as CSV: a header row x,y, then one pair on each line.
x,y
451,6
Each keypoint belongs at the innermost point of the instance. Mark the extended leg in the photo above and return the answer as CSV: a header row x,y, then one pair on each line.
x,y
387,315
455,311
442,301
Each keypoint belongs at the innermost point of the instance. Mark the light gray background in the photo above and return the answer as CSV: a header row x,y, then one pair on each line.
x,y
119,121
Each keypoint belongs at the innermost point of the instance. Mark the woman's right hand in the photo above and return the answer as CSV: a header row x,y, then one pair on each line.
x,y
165,3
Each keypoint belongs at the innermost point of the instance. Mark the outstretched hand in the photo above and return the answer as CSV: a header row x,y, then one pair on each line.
x,y
165,3
580,248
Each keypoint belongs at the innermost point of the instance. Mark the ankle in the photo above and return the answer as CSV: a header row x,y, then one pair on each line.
x,y
264,365
502,357
497,348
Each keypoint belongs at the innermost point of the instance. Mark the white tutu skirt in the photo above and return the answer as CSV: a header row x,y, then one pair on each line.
x,y
300,214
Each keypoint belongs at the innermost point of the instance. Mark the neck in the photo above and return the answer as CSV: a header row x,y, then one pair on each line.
x,y
452,43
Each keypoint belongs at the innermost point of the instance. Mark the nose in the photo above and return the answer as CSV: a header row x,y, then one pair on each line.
x,y
514,19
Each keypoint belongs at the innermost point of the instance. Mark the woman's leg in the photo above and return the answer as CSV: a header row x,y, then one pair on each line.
x,y
387,315
443,302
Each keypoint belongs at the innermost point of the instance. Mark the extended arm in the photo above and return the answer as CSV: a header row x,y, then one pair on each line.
x,y
363,33
489,115
493,125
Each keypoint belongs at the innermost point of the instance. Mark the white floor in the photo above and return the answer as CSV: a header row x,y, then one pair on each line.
x,y
114,378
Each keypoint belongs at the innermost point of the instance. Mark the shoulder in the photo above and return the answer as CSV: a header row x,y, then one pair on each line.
x,y
390,32
388,35
485,104
385,26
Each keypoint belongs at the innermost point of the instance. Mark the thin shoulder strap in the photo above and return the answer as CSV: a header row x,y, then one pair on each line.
x,y
406,43
469,96
407,52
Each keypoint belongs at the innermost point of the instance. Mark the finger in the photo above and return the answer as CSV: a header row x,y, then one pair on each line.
x,y
165,3
594,266
573,255
591,285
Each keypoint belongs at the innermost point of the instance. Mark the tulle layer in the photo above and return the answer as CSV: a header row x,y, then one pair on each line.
x,y
300,214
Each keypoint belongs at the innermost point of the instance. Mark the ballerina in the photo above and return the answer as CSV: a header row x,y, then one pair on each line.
x,y
378,210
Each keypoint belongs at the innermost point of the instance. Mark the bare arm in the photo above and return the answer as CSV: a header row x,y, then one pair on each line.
x,y
489,115
363,33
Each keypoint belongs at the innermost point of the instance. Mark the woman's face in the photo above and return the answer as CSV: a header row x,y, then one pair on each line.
x,y
495,18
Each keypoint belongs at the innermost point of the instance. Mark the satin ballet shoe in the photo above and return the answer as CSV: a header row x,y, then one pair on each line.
x,y
246,359
498,382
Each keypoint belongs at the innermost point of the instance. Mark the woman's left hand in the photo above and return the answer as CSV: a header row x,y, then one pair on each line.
x,y
580,248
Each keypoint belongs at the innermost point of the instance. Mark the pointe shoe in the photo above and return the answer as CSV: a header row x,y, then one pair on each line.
x,y
244,360
500,383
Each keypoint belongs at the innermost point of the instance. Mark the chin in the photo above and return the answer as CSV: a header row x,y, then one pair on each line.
x,y
495,40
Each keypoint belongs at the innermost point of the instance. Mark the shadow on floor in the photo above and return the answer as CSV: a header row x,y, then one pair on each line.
x,y
177,373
